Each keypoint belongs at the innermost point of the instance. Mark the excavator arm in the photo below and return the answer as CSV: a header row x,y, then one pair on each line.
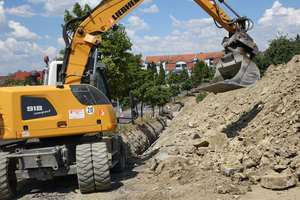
x,y
234,70
88,35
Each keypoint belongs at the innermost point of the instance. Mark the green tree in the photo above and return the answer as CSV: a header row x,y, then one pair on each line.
x,y
11,80
172,78
183,74
187,84
196,76
79,12
152,67
157,96
142,83
61,52
121,63
161,76
27,81
174,90
281,50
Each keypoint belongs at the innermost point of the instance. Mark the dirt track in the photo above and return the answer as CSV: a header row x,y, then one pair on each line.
x,y
252,134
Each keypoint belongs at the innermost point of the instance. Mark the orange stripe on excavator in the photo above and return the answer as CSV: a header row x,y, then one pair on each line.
x,y
211,10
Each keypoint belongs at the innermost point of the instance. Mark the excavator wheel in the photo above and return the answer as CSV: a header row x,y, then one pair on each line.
x,y
121,156
101,166
8,185
85,173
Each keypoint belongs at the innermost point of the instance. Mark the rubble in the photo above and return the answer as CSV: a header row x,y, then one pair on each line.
x,y
248,134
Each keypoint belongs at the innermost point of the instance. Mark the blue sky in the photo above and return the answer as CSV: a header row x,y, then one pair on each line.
x,y
30,28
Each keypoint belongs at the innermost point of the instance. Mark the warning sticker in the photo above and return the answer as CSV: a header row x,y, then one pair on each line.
x,y
25,134
76,114
101,113
110,20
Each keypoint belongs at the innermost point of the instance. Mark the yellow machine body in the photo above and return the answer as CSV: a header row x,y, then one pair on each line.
x,y
47,111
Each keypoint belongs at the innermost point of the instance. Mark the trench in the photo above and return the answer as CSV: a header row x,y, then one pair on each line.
x,y
140,137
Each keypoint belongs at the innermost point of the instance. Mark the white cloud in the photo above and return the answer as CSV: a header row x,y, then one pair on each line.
x,y
147,1
57,7
21,11
276,19
61,42
21,32
137,24
191,38
47,37
25,56
36,1
2,16
152,9
192,23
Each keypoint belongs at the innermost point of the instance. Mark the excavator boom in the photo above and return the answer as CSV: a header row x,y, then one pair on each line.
x,y
234,70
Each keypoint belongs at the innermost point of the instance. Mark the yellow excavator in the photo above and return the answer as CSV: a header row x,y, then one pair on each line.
x,y
44,129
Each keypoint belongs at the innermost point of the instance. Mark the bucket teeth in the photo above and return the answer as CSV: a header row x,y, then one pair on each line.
x,y
234,71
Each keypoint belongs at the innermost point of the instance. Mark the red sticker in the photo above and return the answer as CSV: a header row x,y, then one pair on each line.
x,y
110,20
101,112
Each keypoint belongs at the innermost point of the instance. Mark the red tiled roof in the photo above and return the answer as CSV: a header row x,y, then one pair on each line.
x,y
217,57
171,65
203,56
157,59
21,75
186,56
2,79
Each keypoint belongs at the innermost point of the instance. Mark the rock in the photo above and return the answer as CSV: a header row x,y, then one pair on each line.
x,y
190,150
248,162
217,140
298,173
202,151
231,169
233,160
280,167
192,124
254,179
255,155
200,143
173,151
265,161
162,157
277,181
196,136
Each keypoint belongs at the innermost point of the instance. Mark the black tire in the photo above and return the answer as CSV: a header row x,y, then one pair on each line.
x,y
85,173
121,156
101,166
8,187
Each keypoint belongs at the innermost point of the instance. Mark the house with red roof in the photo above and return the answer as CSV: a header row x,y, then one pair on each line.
x,y
21,75
2,79
157,60
218,57
179,63
208,58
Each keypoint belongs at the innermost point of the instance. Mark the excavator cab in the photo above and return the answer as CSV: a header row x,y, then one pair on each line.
x,y
235,69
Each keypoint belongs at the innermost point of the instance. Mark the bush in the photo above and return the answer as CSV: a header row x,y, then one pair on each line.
x,y
201,96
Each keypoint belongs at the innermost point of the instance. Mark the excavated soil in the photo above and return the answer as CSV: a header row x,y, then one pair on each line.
x,y
242,144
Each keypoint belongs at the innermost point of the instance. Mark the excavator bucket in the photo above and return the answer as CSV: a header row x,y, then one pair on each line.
x,y
233,71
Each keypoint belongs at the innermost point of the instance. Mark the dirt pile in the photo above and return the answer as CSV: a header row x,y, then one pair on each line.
x,y
249,135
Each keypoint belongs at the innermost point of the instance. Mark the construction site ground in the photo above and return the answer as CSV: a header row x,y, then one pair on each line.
x,y
242,144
